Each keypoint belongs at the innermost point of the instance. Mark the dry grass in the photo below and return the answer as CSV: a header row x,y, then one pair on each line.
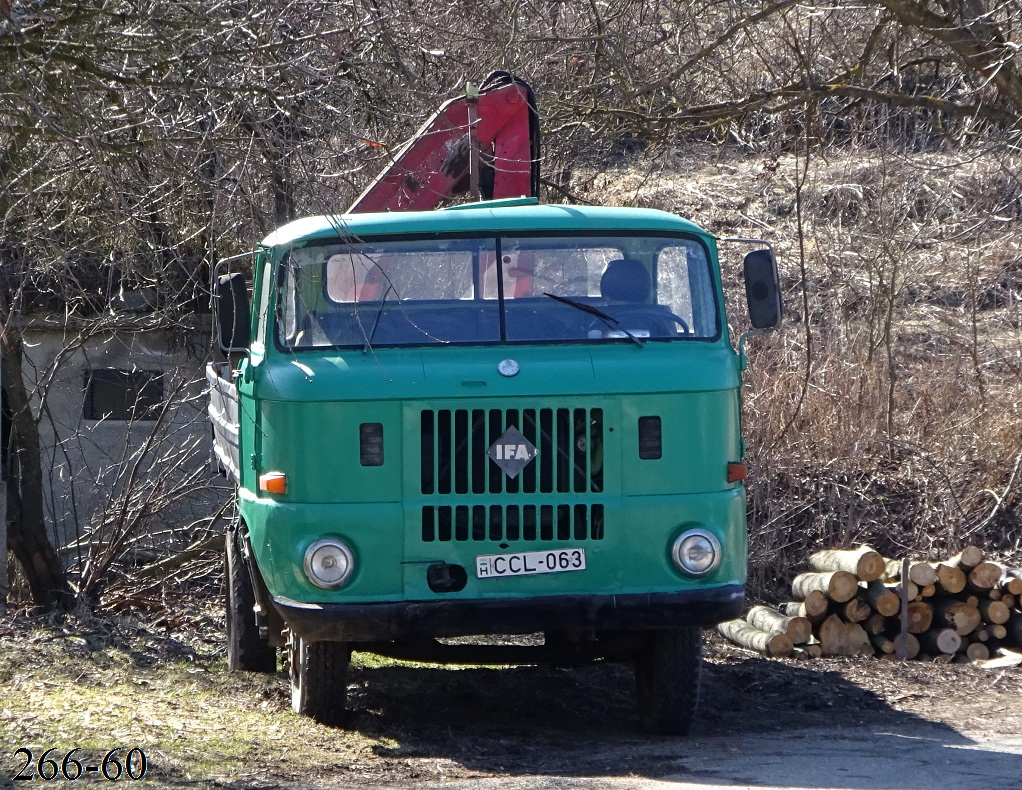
x,y
887,410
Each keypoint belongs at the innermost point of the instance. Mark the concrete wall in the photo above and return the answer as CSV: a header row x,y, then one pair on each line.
x,y
100,473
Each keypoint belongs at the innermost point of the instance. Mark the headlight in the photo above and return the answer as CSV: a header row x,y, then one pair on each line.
x,y
329,563
696,552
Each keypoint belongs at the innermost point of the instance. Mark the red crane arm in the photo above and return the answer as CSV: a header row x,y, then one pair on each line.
x,y
434,165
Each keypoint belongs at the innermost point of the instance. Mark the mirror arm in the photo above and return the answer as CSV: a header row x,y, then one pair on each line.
x,y
743,361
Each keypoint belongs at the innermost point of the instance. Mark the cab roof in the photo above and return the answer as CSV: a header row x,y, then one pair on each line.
x,y
499,216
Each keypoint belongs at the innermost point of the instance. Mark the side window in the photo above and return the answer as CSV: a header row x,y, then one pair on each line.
x,y
262,316
112,394
684,284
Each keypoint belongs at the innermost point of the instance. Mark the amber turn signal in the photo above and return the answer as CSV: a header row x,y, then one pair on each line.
x,y
736,472
273,483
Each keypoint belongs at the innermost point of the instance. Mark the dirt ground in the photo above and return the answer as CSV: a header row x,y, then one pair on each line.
x,y
161,685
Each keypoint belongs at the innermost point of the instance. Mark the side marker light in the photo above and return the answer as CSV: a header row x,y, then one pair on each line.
x,y
273,483
736,472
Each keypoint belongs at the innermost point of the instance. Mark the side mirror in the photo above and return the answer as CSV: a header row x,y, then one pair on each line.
x,y
762,289
230,301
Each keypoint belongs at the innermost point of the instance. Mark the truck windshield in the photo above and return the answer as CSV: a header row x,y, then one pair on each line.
x,y
497,290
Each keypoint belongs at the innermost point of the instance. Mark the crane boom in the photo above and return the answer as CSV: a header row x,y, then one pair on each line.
x,y
436,163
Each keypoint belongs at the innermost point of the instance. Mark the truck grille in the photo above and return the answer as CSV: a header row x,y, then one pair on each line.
x,y
513,522
455,443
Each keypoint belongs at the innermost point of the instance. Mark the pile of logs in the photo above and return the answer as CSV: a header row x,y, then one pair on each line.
x,y
857,603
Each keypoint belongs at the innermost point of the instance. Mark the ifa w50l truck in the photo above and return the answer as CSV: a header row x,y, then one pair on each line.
x,y
500,417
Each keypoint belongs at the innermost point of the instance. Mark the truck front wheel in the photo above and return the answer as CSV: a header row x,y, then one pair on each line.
x,y
246,649
319,678
667,674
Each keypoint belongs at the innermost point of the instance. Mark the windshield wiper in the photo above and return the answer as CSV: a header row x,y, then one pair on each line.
x,y
376,323
609,320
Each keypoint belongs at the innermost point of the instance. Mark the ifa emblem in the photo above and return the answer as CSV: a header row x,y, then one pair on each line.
x,y
512,452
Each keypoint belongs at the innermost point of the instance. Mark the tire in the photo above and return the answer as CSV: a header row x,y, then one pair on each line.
x,y
319,678
246,650
667,676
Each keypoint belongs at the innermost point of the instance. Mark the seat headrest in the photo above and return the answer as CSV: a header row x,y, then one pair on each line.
x,y
625,280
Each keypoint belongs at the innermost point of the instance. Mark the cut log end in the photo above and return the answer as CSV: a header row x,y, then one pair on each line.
x,y
838,638
967,559
798,629
839,586
920,617
742,633
950,579
940,640
985,576
864,562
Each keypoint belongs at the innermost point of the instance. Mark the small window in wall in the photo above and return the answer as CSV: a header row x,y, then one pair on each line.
x,y
112,394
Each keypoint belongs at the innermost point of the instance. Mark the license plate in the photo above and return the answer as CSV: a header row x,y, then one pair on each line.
x,y
497,566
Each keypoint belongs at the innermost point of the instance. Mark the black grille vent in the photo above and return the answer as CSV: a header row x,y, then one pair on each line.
x,y
542,523
455,443
651,445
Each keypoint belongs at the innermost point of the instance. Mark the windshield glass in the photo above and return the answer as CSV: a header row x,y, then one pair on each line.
x,y
511,289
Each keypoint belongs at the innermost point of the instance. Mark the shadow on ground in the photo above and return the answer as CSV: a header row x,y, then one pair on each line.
x,y
760,722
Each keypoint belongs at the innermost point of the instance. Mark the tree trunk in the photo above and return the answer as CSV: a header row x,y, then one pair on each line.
x,y
26,528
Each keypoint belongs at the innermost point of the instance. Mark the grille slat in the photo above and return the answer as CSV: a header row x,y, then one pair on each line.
x,y
454,445
530,523
455,464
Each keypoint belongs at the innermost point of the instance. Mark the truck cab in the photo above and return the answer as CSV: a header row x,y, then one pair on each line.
x,y
499,418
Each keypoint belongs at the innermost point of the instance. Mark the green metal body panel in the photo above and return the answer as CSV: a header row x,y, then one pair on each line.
x,y
485,218
301,414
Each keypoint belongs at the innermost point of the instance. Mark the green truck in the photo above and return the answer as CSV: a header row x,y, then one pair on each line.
x,y
497,418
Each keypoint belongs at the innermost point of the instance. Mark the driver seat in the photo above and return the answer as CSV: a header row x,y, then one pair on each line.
x,y
626,288
625,281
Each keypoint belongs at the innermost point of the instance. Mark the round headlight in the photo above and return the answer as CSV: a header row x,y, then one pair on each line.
x,y
696,552
329,563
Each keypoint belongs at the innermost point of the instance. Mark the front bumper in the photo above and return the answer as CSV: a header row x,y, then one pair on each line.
x,y
389,621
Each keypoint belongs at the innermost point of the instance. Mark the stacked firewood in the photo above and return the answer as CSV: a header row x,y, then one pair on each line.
x,y
857,603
